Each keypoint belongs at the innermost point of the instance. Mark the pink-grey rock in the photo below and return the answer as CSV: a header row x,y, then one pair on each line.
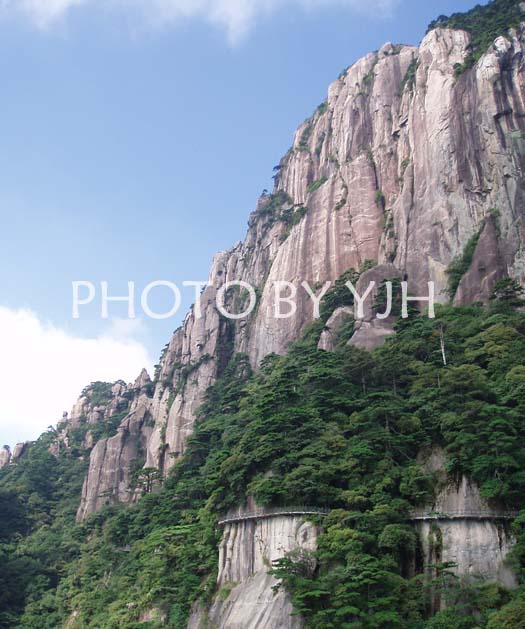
x,y
390,170
485,270
142,381
334,325
18,450
474,538
246,553
113,460
5,456
371,332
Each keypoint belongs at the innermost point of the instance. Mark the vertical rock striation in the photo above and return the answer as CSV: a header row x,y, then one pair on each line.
x,y
113,459
5,456
461,529
246,599
401,166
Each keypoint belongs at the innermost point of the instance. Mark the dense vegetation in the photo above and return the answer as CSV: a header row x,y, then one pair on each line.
x,y
341,430
38,537
461,265
484,23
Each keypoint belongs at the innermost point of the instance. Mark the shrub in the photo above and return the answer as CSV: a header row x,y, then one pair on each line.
x,y
460,265
315,185
484,24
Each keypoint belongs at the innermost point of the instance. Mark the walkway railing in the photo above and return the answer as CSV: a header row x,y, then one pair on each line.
x,y
415,515
271,512
419,514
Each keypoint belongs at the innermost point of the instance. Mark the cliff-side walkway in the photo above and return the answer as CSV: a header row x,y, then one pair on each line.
x,y
420,514
415,516
271,512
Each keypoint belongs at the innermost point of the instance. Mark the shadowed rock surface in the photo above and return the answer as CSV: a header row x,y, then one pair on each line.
x,y
402,165
246,553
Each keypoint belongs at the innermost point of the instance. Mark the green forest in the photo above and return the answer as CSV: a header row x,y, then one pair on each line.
x,y
345,431
339,430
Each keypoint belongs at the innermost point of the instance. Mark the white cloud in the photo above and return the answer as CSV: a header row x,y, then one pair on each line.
x,y
236,17
41,12
43,369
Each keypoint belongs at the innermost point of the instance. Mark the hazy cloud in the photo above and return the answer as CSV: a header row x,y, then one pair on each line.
x,y
44,369
236,17
41,12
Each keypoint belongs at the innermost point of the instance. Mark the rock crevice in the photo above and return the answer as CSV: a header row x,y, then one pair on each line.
x,y
401,165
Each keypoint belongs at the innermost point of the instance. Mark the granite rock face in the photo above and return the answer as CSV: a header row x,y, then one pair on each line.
x,y
99,404
94,407
19,450
477,549
465,531
477,545
5,456
246,553
333,328
486,268
401,166
113,461
374,328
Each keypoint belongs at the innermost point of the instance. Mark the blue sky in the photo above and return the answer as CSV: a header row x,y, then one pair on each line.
x,y
134,143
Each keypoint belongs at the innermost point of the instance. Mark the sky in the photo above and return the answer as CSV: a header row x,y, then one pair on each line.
x,y
135,139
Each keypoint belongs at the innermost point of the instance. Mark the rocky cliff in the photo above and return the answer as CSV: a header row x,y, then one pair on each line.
x,y
5,456
405,163
464,531
121,408
412,170
246,599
